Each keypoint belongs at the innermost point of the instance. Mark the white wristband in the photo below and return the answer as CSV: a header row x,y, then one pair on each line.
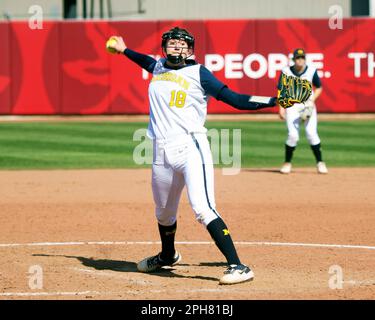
x,y
260,99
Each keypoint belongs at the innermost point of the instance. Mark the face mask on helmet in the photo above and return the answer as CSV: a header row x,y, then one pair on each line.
x,y
175,59
178,34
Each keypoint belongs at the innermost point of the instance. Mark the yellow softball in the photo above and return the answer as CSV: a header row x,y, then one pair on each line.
x,y
109,44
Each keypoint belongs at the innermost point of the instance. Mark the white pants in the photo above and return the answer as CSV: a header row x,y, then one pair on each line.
x,y
184,160
293,120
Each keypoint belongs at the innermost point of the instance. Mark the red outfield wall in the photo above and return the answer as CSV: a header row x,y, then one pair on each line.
x,y
65,69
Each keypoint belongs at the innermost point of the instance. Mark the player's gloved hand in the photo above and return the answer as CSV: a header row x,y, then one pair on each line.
x,y
293,90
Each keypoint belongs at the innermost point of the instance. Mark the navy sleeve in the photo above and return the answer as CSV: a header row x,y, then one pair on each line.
x,y
244,101
144,61
213,87
316,80
210,84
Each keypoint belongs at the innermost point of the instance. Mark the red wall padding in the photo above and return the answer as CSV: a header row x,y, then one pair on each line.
x,y
65,69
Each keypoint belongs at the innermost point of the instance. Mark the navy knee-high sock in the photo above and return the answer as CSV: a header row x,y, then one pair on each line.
x,y
316,149
289,153
220,234
167,234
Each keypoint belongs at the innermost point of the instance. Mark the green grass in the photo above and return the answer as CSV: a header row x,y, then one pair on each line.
x,y
65,145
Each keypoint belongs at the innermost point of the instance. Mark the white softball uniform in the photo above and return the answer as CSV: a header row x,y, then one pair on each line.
x,y
182,155
293,114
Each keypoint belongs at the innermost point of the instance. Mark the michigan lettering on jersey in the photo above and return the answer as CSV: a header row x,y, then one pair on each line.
x,y
169,76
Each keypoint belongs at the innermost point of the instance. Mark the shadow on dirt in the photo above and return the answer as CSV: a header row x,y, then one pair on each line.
x,y
261,170
129,266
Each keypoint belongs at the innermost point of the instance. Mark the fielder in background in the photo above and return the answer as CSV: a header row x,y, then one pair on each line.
x,y
178,95
302,112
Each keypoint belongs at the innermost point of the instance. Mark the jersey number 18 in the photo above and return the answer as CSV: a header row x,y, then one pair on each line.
x,y
177,99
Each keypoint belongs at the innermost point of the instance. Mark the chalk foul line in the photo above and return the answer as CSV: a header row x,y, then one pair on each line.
x,y
244,243
39,294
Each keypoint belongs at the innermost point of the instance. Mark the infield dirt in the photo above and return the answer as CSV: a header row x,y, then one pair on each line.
x,y
258,205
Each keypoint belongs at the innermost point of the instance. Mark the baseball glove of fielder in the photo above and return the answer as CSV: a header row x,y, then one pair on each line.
x,y
293,90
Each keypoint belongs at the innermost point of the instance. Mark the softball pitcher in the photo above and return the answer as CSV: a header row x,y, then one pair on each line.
x,y
302,112
178,95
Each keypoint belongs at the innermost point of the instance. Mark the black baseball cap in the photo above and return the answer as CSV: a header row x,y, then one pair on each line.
x,y
299,53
